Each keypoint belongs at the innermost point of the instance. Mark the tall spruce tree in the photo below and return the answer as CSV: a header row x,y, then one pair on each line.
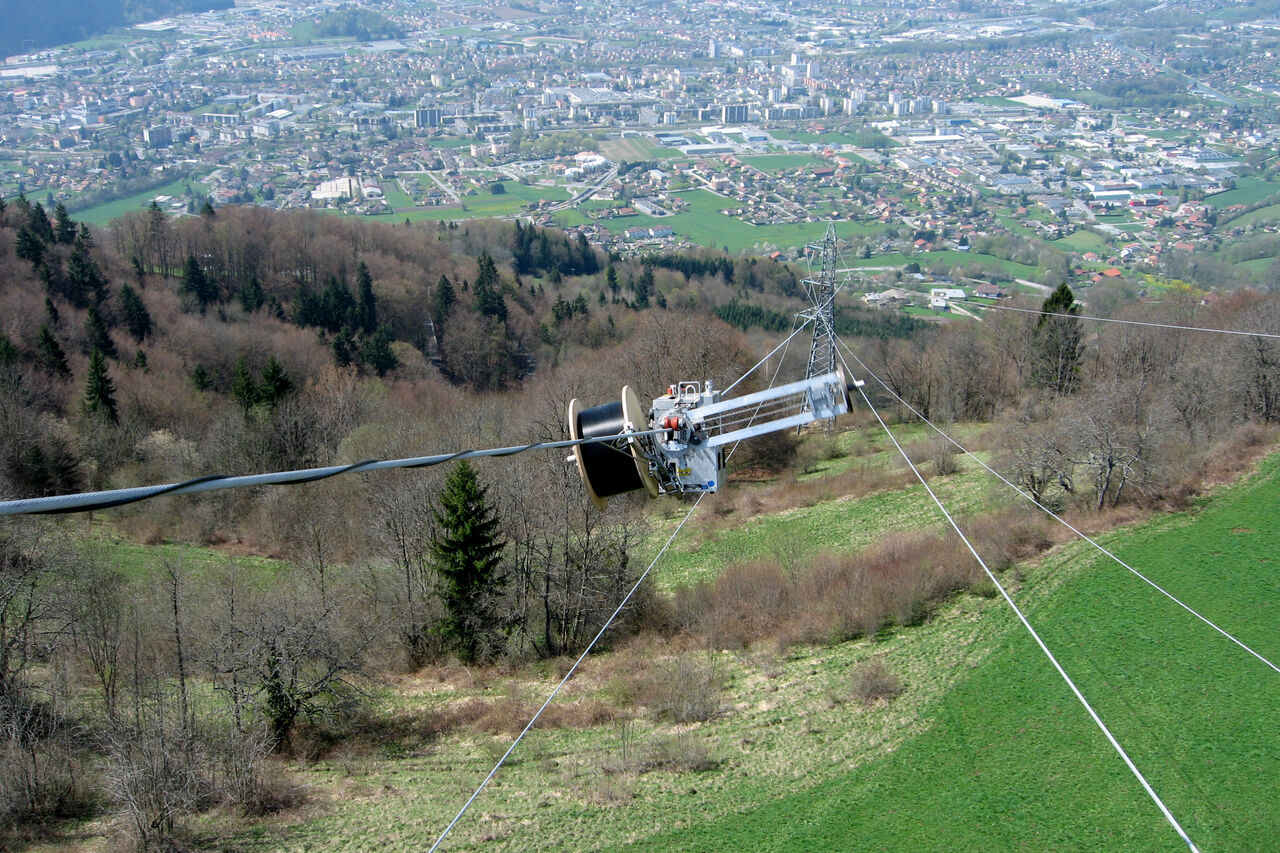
x,y
467,557
366,302
1057,344
244,390
137,319
52,357
96,335
99,391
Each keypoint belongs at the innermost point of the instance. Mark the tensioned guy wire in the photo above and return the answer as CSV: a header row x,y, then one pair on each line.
x,y
1124,756
1101,548
555,692
89,501
975,304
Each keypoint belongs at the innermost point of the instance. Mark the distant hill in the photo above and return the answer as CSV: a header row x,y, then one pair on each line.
x,y
34,24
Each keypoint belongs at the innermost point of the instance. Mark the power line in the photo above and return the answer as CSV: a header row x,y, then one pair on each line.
x,y
462,811
89,501
1114,320
1099,546
1168,815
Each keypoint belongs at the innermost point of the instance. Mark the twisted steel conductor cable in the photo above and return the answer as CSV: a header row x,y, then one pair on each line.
x,y
89,501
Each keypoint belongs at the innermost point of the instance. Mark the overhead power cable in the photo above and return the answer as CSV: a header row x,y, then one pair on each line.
x,y
976,304
89,501
1124,756
1098,545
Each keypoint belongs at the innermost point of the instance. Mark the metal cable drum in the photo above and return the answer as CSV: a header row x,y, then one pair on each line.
x,y
607,467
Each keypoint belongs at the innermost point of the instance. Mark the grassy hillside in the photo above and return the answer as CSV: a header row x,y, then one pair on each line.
x,y
985,749
1010,760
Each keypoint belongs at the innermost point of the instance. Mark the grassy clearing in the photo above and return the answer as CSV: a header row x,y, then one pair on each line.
x,y
1269,213
103,213
782,162
704,224
1081,240
139,561
395,196
786,720
1248,191
635,148
486,205
1011,760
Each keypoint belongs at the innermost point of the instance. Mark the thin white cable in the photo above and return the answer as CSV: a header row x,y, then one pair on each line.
x,y
1115,320
738,381
1101,548
773,379
462,811
1168,815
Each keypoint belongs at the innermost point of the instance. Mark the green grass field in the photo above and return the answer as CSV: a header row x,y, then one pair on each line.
x,y
704,224
1010,760
1269,213
103,213
1081,240
1248,191
485,204
781,162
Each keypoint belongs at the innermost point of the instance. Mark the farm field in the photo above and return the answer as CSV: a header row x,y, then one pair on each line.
x,y
704,224
635,148
1248,191
782,162
485,204
103,213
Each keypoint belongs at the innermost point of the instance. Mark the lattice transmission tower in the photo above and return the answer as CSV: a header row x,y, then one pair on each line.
x,y
822,290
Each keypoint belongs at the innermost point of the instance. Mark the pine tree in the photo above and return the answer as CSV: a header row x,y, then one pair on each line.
x,y
345,349
28,247
137,319
52,358
244,390
376,351
366,302
8,352
198,284
140,361
251,296
85,282
99,393
276,384
445,299
39,224
97,337
200,379
1057,344
64,227
51,313
467,557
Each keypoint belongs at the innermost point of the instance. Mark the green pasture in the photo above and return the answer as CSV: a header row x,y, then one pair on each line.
x,y
1248,190
103,213
1009,759
782,162
485,204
